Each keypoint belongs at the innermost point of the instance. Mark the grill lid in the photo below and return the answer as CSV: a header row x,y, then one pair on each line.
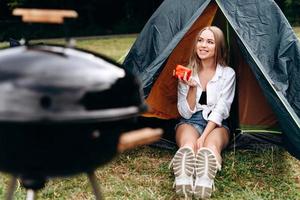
x,y
56,84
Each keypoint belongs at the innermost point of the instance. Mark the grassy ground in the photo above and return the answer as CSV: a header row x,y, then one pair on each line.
x,y
143,173
297,30
113,47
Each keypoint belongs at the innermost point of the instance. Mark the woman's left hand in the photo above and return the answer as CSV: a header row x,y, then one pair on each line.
x,y
200,142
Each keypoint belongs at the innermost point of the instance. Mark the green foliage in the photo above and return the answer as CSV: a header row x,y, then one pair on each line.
x,y
291,10
95,17
15,3
99,17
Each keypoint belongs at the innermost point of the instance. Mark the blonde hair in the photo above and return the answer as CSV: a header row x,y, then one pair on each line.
x,y
220,49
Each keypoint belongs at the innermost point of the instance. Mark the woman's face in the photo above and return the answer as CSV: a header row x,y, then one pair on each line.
x,y
206,45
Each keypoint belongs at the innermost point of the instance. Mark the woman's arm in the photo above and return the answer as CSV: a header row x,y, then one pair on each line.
x,y
187,91
222,108
208,129
191,97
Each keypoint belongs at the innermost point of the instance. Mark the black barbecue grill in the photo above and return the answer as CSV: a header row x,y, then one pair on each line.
x,y
64,111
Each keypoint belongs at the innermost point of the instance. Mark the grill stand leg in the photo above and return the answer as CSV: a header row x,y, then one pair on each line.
x,y
30,194
11,188
96,188
32,185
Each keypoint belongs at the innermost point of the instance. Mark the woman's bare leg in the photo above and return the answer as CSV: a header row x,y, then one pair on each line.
x,y
217,140
187,135
184,160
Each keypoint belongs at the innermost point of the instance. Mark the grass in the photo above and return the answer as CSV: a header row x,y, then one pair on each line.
x,y
114,47
297,31
143,173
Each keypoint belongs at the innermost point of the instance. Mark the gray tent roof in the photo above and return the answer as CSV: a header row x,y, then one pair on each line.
x,y
267,41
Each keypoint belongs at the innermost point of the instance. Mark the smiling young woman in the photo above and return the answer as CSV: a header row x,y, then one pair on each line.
x,y
204,102
205,46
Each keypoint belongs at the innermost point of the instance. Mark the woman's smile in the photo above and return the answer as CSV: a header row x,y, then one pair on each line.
x,y
206,45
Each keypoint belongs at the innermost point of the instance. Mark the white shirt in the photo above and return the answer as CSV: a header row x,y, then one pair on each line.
x,y
220,93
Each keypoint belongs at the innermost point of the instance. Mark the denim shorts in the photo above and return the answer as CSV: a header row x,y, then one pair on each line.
x,y
199,123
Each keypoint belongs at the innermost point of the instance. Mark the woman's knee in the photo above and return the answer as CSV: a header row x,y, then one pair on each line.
x,y
217,139
217,151
213,147
186,136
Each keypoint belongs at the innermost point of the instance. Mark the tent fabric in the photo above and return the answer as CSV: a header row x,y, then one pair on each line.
x,y
253,108
265,42
166,84
272,51
159,37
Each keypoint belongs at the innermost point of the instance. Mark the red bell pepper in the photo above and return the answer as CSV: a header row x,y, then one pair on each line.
x,y
180,70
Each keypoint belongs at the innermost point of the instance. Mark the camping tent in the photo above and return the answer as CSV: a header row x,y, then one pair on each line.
x,y
264,52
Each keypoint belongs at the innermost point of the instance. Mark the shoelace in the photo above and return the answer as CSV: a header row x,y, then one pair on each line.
x,y
213,186
171,163
170,166
219,166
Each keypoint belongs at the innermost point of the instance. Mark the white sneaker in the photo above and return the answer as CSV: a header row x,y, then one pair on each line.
x,y
183,167
206,170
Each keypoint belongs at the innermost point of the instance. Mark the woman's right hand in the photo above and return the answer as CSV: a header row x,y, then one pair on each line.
x,y
190,82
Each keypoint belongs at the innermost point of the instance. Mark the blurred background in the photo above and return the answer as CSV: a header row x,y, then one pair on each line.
x,y
97,17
